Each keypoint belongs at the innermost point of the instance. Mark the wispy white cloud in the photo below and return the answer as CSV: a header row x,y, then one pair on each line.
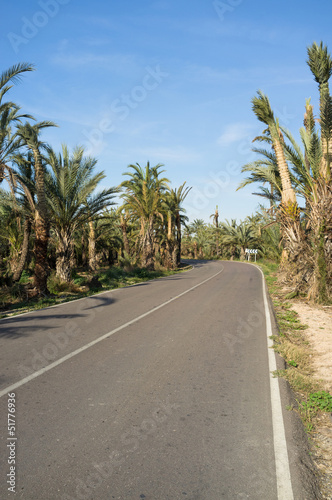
x,y
207,74
58,116
97,41
179,154
120,63
235,132
275,75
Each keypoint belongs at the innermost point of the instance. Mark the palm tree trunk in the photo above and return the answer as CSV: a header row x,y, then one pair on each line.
x,y
14,259
195,249
147,246
168,255
169,242
73,261
288,193
25,249
123,225
84,250
40,253
63,258
92,247
178,239
175,257
41,227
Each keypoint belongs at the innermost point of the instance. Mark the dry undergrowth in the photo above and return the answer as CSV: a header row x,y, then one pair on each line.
x,y
319,336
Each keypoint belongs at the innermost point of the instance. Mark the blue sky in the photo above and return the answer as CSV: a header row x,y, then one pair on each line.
x,y
166,81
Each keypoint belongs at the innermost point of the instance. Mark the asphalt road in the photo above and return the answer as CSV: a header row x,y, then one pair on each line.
x,y
157,391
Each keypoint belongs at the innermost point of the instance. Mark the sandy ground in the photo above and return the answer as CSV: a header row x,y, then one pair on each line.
x,y
319,334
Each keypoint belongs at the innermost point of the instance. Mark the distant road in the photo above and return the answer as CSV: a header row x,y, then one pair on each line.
x,y
158,391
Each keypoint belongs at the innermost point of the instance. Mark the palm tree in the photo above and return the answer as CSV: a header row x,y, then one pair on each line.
x,y
215,218
29,136
9,116
72,202
262,109
242,236
320,64
143,197
10,229
123,225
25,198
176,218
198,228
108,239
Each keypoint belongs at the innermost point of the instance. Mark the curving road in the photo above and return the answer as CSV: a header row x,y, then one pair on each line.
x,y
158,391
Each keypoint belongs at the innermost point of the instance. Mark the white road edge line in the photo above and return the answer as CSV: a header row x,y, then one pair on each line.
x,y
100,339
284,483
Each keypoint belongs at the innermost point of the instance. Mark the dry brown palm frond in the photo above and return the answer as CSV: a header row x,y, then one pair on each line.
x,y
308,266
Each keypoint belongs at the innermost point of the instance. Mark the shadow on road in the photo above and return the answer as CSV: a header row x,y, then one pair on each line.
x,y
46,319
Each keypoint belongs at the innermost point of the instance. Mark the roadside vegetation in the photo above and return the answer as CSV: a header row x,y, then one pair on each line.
x,y
313,402
292,344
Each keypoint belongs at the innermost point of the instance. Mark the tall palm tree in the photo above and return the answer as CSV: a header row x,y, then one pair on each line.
x,y
10,228
25,197
262,109
198,229
143,196
71,200
123,225
107,233
215,218
176,218
9,116
320,64
29,136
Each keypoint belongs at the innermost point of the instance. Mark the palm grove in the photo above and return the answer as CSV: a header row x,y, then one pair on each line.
x,y
55,219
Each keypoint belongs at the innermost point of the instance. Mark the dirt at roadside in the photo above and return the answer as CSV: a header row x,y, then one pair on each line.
x,y
319,335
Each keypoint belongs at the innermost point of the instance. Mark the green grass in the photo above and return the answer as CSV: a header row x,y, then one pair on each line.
x,y
310,408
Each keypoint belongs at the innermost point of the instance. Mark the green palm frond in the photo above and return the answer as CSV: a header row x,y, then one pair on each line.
x,y
326,118
262,108
319,62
